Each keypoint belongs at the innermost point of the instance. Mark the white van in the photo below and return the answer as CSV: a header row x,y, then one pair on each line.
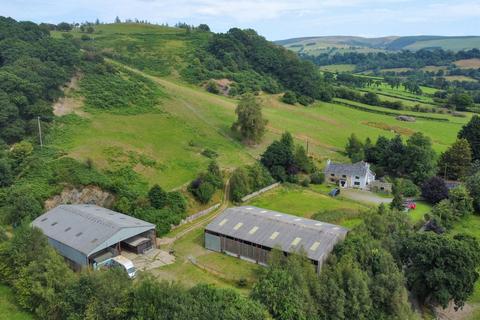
x,y
126,264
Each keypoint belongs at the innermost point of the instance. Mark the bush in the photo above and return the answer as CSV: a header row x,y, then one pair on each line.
x,y
289,97
204,192
209,153
305,100
212,87
317,177
407,188
305,182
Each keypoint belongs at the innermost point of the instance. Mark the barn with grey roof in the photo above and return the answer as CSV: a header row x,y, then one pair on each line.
x,y
86,234
250,233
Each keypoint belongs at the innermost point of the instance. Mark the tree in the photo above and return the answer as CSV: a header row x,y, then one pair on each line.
x,y
64,26
289,97
117,20
456,161
354,149
22,206
440,269
460,101
473,187
203,27
239,184
288,287
279,158
471,133
419,158
397,202
407,187
6,174
250,121
204,192
461,201
157,197
302,161
434,190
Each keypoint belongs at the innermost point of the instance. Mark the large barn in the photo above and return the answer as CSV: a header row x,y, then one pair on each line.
x,y
250,233
88,234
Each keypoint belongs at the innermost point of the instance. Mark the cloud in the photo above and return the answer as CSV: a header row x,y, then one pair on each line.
x,y
274,18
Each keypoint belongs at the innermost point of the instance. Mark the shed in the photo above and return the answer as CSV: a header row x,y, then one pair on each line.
x,y
82,233
250,233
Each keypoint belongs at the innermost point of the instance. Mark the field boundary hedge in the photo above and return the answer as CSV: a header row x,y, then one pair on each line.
x,y
388,113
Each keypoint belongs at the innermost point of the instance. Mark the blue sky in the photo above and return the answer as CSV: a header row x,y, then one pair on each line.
x,y
275,19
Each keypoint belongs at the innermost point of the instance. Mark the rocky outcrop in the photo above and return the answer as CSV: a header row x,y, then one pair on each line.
x,y
86,195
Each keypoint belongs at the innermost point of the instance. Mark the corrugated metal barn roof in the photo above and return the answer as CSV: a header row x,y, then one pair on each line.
x,y
275,229
86,227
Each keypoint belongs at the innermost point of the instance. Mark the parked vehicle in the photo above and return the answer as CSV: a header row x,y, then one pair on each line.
x,y
125,264
335,192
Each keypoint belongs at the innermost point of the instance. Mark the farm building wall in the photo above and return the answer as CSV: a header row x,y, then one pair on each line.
x,y
73,256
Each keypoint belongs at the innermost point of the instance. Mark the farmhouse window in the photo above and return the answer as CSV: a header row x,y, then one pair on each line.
x,y
333,174
357,183
344,176
357,177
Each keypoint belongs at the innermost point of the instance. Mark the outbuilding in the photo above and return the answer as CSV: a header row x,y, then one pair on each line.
x,y
250,233
86,235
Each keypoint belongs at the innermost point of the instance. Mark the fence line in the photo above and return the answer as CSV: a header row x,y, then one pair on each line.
x,y
259,192
197,215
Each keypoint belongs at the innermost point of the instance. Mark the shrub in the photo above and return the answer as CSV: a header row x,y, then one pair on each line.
x,y
157,197
204,192
209,153
305,100
305,182
407,188
289,97
212,87
317,177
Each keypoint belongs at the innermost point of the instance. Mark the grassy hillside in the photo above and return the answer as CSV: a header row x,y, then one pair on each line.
x,y
333,44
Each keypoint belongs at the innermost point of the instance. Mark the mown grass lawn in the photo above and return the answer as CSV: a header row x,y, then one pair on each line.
x,y
305,202
8,309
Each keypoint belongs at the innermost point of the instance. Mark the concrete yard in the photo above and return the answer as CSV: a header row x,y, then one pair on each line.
x,y
152,259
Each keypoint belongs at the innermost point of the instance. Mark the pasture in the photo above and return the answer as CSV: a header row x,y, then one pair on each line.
x,y
192,120
468,63
336,68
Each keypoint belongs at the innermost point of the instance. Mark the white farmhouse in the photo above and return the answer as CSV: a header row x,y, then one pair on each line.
x,y
357,175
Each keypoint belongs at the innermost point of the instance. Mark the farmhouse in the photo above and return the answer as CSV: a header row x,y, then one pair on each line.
x,y
250,233
357,175
88,234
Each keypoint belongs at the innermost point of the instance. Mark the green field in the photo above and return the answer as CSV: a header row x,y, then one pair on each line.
x,y
193,120
455,44
210,267
338,68
8,309
305,202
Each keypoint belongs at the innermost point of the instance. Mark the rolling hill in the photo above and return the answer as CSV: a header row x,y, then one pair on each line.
x,y
317,45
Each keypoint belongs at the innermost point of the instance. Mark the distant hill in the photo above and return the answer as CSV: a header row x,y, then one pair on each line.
x,y
332,44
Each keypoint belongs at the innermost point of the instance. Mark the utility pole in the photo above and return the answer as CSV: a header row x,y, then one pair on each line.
x,y
40,132
307,147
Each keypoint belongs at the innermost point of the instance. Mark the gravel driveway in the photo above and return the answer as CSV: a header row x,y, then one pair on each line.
x,y
364,196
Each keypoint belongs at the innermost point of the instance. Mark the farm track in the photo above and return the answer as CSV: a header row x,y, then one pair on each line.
x,y
202,221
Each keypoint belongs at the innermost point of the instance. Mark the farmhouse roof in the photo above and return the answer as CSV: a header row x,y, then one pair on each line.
x,y
356,169
275,229
87,227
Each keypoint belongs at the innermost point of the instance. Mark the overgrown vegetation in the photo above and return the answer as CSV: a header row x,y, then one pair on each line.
x,y
33,67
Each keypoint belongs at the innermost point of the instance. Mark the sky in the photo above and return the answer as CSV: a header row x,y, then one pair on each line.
x,y
274,19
